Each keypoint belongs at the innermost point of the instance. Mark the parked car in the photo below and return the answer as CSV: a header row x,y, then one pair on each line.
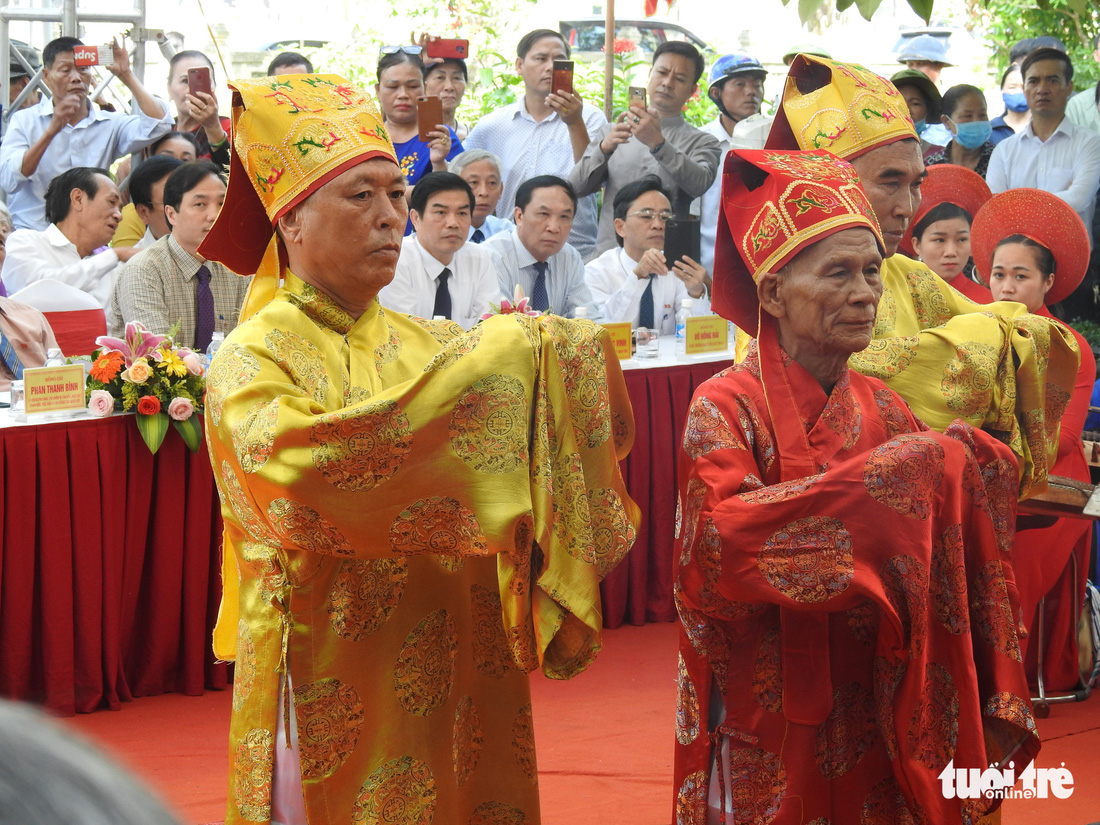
x,y
586,36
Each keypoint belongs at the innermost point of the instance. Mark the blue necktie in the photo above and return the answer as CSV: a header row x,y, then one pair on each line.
x,y
539,298
443,296
478,236
645,313
204,310
7,352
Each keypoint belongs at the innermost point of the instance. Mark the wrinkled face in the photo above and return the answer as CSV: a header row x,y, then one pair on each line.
x,y
398,90
945,247
1046,88
177,83
543,227
101,214
742,95
671,83
445,223
1015,276
891,176
537,67
64,77
178,148
914,99
197,212
644,225
365,208
153,215
446,82
829,293
484,179
970,109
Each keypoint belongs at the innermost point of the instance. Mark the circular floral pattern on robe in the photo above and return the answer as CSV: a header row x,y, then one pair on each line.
x,y
847,733
330,716
387,353
974,485
782,491
934,728
454,350
522,542
437,525
1038,330
620,431
759,437
905,582
758,782
843,416
928,302
242,510
886,805
521,641
904,474
254,436
523,742
992,610
364,594
234,367
252,768
425,668
969,380
244,668
863,621
491,654
691,799
583,370
887,676
612,533
1053,409
497,813
886,357
300,360
687,706
467,740
887,314
1010,708
1001,488
356,450
301,526
571,511
707,430
442,331
694,494
892,413
948,582
400,792
810,560
489,425
708,639
767,673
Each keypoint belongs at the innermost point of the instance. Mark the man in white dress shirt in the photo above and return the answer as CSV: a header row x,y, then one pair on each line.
x,y
634,282
536,257
481,169
438,272
83,208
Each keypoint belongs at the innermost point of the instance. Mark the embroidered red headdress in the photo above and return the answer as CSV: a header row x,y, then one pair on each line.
x,y
947,183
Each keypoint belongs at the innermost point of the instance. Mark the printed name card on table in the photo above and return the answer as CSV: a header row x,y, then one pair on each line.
x,y
706,333
620,338
54,389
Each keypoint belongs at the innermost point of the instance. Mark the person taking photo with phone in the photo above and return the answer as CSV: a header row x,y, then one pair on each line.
x,y
191,86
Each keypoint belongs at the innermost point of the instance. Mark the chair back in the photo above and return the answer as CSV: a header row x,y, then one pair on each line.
x,y
75,317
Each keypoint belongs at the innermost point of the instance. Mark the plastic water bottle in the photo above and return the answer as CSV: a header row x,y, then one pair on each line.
x,y
54,358
681,326
216,340
580,312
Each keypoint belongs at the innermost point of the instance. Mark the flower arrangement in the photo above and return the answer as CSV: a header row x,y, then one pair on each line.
x,y
148,374
519,304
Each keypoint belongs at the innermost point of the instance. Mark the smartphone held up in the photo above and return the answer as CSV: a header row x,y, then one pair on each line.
x,y
429,115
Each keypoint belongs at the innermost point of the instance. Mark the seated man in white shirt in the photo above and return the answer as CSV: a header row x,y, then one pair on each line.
x,y
438,272
634,282
83,208
481,169
536,257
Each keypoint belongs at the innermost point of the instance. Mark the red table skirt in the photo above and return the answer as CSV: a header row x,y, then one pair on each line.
x,y
109,574
639,590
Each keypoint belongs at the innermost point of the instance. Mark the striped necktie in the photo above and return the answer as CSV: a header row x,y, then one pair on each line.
x,y
7,352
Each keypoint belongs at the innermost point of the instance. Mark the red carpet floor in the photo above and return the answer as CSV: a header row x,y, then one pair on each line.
x,y
604,743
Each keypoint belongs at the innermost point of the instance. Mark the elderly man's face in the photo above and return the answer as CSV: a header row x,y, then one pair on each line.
x,y
484,179
345,238
826,298
891,176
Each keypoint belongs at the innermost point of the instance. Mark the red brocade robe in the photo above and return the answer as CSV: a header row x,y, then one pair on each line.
x,y
849,614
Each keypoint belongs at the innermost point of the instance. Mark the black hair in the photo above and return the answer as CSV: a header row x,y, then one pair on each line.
x,y
147,173
396,58
626,196
684,49
1044,258
1047,53
174,135
1019,51
435,182
940,212
531,38
58,200
527,189
289,59
186,177
189,54
1012,67
457,62
60,45
955,95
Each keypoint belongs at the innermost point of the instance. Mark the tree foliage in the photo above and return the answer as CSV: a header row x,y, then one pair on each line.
x,y
1075,22
808,9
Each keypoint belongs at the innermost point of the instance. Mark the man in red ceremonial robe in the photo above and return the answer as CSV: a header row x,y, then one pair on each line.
x,y
848,606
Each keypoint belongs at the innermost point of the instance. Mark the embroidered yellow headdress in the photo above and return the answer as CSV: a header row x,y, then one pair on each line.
x,y
291,135
841,107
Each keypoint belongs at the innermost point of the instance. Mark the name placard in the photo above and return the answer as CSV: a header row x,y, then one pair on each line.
x,y
620,338
54,389
706,333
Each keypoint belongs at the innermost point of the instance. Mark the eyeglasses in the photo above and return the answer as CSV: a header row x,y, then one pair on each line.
x,y
648,215
405,49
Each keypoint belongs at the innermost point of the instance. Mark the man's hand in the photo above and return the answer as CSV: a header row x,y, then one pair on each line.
x,y
568,105
120,65
692,274
125,253
65,110
652,262
646,126
620,133
439,147
204,109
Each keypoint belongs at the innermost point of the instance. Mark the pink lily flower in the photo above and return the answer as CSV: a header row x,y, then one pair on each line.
x,y
139,343
521,306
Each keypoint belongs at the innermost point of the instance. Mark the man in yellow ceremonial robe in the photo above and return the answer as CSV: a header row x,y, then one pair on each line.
x,y
415,516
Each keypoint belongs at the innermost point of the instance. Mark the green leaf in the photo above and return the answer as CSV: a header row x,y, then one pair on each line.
x,y
1079,6
190,431
153,428
843,5
867,7
923,8
807,9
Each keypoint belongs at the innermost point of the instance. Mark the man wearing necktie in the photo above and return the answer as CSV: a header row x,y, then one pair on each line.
x,y
536,257
170,284
634,282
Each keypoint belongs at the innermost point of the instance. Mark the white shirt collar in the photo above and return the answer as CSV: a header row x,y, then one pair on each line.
x,y
432,265
523,257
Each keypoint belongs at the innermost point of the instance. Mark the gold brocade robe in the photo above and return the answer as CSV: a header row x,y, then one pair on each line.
x,y
419,515
939,351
